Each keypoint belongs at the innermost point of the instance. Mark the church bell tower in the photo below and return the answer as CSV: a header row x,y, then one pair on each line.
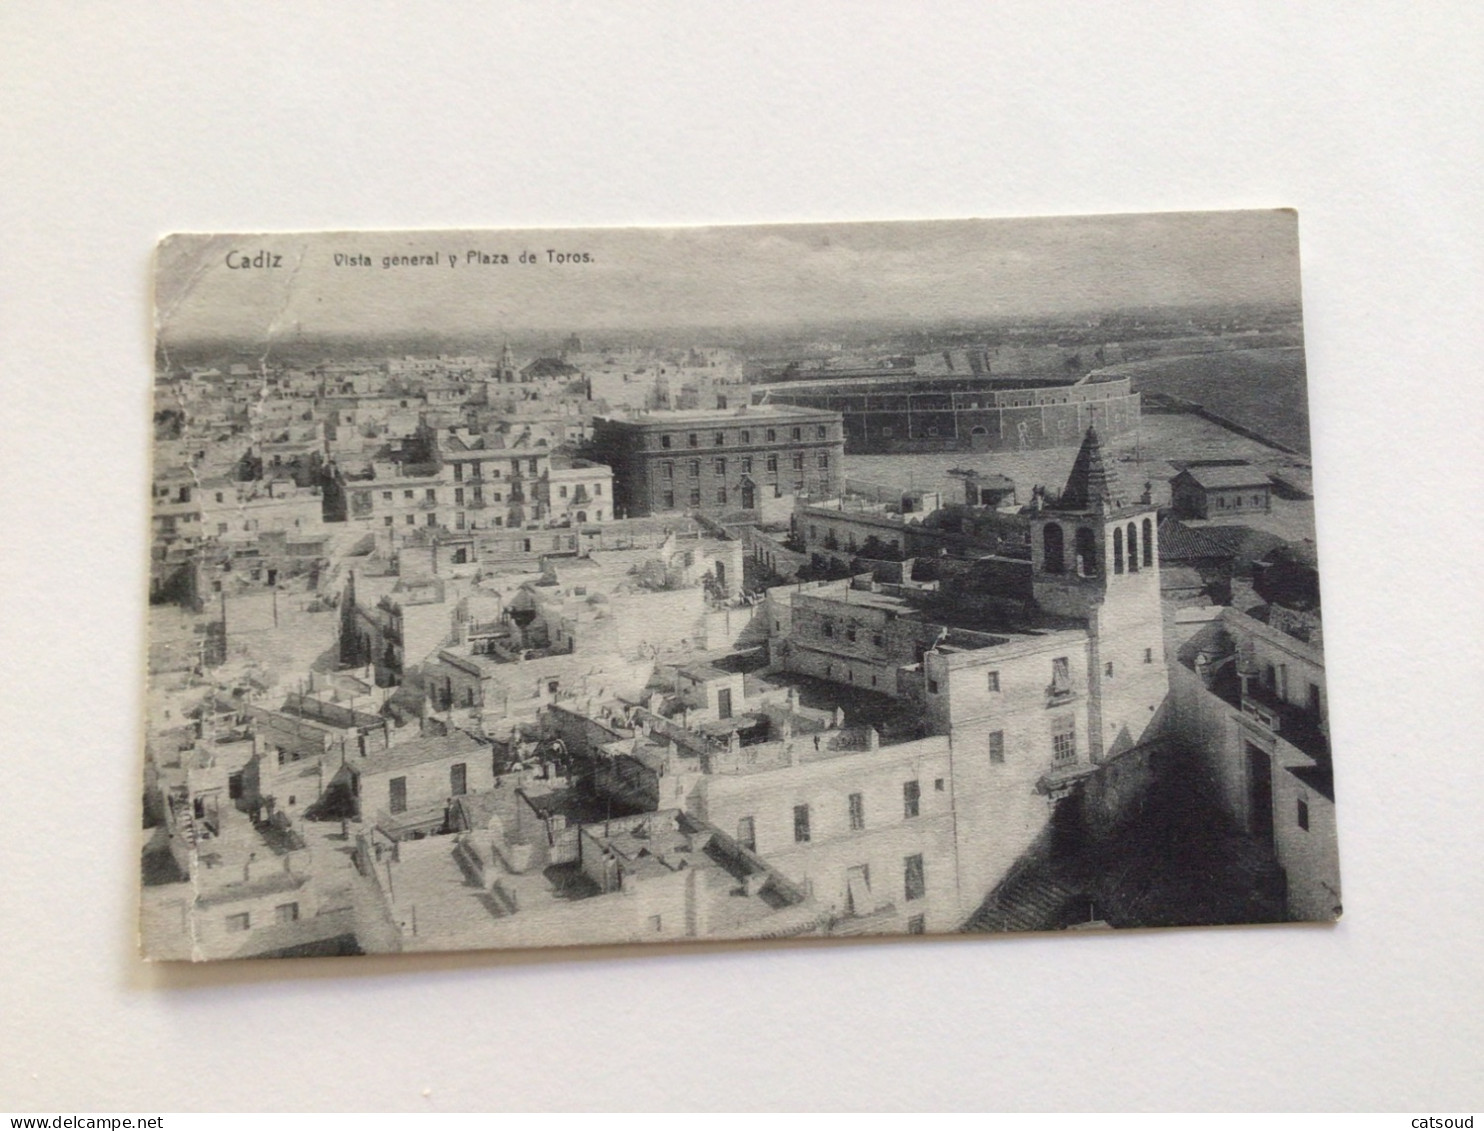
x,y
1095,558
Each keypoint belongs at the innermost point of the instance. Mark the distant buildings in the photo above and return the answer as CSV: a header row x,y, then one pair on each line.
x,y
899,410
1220,491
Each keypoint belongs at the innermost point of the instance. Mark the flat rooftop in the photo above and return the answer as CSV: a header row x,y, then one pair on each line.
x,y
719,415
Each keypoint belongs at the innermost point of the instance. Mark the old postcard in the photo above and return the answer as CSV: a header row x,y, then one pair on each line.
x,y
539,588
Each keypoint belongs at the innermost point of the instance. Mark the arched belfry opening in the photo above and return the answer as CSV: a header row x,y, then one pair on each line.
x,y
1087,553
1053,549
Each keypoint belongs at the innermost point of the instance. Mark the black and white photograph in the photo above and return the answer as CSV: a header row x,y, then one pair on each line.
x,y
544,588
805,556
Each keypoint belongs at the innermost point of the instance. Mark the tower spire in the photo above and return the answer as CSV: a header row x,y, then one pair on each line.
x,y
1093,485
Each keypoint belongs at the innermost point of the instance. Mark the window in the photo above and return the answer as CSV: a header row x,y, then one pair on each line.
x,y
937,785
746,436
798,461
1064,742
412,520
1303,814
857,812
915,881
695,469
858,890
664,441
432,519
721,439
387,521
994,681
597,490
397,800
562,491
286,913
932,685
1118,550
1133,548
721,495
801,824
667,470
747,834
458,496
695,496
407,494
386,496
1087,553
1108,669
996,748
668,500
1148,542
911,798
458,473
1149,655
721,466
819,432
458,779
824,459
917,925
693,440
772,435
242,922
654,924
773,464
1061,676
431,494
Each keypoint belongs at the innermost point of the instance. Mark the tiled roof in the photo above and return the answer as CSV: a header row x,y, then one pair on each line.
x,y
1227,477
1181,543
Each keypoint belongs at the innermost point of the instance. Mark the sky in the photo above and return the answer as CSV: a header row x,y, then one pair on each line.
x,y
774,275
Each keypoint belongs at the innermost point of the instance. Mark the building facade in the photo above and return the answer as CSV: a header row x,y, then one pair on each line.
x,y
720,460
922,414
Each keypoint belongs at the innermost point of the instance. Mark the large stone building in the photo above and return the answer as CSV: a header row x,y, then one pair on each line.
x,y
720,460
923,413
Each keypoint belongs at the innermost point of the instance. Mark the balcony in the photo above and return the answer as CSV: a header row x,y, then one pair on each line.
x,y
1301,728
882,920
1058,695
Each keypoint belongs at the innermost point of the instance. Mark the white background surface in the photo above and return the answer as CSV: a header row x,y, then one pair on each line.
x,y
120,123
